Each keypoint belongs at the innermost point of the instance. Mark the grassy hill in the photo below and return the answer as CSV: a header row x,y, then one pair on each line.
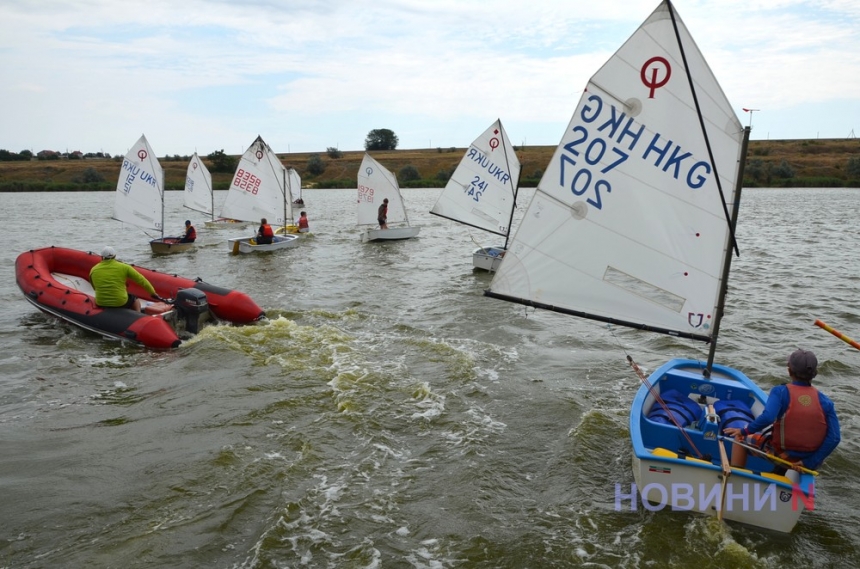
x,y
771,163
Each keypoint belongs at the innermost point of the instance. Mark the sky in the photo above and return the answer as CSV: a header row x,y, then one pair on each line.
x,y
306,75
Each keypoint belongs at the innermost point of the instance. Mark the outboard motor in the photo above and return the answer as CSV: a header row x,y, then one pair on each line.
x,y
193,308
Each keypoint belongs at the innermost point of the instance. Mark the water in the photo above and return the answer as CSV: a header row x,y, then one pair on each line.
x,y
389,415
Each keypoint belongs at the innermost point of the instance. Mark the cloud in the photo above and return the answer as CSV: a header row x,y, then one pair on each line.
x,y
213,74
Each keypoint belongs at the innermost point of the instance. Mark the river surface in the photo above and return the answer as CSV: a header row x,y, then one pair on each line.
x,y
387,414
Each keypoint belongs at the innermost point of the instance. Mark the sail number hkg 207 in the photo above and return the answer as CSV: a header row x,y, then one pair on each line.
x,y
599,145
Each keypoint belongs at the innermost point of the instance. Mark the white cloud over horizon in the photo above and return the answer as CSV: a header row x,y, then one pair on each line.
x,y
210,74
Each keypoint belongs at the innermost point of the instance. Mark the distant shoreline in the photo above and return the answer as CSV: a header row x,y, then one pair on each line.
x,y
770,163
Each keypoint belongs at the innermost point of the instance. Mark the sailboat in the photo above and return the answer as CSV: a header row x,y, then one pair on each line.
x,y
296,187
376,183
140,196
482,192
293,181
632,224
199,194
259,190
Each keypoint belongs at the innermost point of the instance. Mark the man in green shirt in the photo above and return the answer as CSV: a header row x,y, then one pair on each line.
x,y
109,278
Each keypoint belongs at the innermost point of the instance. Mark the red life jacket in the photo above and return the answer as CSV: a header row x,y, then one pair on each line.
x,y
803,426
266,230
191,233
303,223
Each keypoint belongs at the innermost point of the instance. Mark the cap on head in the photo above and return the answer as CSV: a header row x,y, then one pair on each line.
x,y
803,364
108,253
187,222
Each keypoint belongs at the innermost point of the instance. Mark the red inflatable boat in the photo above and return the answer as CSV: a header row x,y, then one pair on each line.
x,y
56,281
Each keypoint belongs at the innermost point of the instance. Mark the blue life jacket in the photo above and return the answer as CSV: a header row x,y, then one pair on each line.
x,y
682,408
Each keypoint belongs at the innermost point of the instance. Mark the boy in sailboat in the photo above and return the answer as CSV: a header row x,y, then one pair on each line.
x,y
805,428
304,227
265,235
190,233
382,214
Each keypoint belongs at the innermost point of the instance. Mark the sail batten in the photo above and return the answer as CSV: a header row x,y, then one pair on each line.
x,y
628,223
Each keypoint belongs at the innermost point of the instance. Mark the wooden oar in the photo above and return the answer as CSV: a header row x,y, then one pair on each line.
x,y
838,334
769,456
727,471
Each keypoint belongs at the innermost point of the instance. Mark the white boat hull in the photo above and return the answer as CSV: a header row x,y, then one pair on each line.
x,y
249,244
672,486
488,258
391,234
683,471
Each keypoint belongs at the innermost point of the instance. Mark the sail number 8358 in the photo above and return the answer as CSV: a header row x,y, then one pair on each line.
x,y
581,179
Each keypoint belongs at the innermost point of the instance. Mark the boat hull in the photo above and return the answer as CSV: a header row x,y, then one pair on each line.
x,y
169,245
288,230
224,223
391,234
38,273
669,471
488,258
249,244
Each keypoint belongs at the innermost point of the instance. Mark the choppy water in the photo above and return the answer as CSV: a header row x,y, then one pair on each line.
x,y
389,415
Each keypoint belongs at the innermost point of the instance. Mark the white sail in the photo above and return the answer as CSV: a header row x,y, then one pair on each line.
x,y
295,182
198,187
375,183
482,190
258,188
140,188
628,223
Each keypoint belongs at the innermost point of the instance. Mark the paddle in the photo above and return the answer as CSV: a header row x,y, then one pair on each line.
x,y
727,471
838,334
769,456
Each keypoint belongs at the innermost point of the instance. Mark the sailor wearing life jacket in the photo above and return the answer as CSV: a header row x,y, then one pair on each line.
x,y
805,426
190,233
265,235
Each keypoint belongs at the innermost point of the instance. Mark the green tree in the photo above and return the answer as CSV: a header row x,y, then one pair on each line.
x,y
381,139
852,168
316,165
333,152
783,170
408,173
88,176
222,162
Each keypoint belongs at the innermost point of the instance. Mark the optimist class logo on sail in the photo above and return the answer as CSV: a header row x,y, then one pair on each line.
x,y
603,137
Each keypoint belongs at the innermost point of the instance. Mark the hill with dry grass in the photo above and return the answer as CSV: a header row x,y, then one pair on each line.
x,y
771,163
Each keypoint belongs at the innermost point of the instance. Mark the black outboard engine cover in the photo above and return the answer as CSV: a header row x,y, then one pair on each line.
x,y
193,307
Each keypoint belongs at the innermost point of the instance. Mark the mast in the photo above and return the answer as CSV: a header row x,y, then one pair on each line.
x,y
514,189
161,191
513,207
211,194
284,194
727,263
